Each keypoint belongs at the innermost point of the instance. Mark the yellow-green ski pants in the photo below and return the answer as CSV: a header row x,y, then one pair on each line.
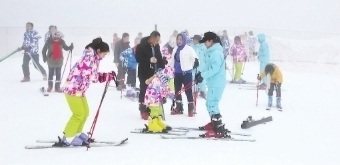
x,y
80,112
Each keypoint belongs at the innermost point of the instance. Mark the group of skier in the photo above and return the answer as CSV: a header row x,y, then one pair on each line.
x,y
189,61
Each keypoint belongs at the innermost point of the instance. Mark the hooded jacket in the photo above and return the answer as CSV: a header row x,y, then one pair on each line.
x,y
264,56
47,53
214,71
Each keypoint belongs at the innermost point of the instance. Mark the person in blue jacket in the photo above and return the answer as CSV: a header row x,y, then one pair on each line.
x,y
215,75
264,58
200,50
128,58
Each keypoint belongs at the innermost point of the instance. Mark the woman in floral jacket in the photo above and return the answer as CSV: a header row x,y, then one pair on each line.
x,y
83,73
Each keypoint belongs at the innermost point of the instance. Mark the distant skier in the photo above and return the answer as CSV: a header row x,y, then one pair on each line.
x,y
264,58
276,80
156,90
128,58
31,48
53,55
83,73
252,41
237,50
138,38
215,75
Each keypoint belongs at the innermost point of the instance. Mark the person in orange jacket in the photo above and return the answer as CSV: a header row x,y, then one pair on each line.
x,y
276,80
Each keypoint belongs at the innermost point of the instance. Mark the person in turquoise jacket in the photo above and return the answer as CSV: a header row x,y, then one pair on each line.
x,y
264,58
200,50
215,75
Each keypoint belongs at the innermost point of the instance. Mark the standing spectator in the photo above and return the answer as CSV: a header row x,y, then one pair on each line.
x,y
264,58
120,46
31,48
115,40
252,41
52,29
149,58
172,39
225,43
138,38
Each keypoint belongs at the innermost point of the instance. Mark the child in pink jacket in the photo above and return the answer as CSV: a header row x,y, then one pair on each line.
x,y
239,54
83,73
155,92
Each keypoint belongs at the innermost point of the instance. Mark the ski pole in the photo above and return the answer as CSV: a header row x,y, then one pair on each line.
x,y
35,64
4,58
187,86
93,126
257,91
195,93
65,65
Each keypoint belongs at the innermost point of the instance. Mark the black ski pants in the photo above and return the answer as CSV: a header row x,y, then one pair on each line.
x,y
25,63
275,86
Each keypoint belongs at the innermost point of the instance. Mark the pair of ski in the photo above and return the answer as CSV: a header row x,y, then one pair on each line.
x,y
180,133
93,144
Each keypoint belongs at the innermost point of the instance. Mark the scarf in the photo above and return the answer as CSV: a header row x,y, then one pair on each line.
x,y
56,55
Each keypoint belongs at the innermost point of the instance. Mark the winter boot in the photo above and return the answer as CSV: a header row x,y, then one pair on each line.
x,y
270,101
57,87
278,103
191,109
50,85
25,79
179,108
143,111
218,130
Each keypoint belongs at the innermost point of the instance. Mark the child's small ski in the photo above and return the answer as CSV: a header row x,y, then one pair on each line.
x,y
197,129
197,137
278,108
91,145
172,130
43,91
249,122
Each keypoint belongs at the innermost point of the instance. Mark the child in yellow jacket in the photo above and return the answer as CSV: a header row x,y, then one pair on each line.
x,y
275,82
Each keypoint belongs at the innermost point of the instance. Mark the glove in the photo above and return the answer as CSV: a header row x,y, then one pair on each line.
x,y
71,46
196,64
113,76
102,77
198,77
258,77
165,62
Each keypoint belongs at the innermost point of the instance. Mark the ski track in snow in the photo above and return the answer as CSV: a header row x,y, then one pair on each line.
x,y
306,132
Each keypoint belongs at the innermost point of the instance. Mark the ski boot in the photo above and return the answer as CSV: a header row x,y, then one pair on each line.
x,y
179,108
218,130
270,101
191,109
63,142
153,126
278,103
57,87
50,85
162,124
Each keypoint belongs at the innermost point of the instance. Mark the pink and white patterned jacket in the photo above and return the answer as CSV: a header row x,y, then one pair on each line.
x,y
238,52
158,88
82,74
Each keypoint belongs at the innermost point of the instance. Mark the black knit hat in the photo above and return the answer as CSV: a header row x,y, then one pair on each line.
x,y
208,36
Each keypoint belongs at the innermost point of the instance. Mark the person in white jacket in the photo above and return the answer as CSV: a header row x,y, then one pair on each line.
x,y
184,59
